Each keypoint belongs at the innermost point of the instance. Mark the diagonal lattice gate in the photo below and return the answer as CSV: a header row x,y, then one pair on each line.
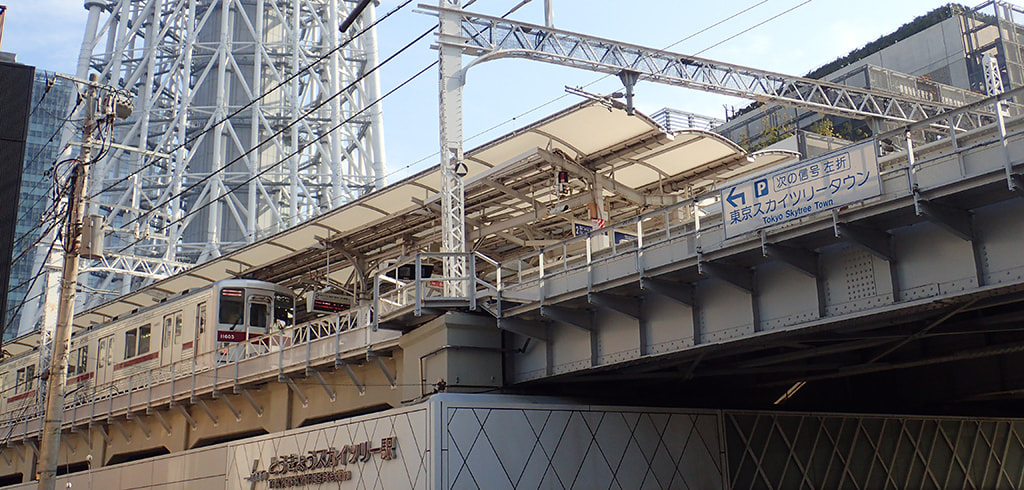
x,y
835,451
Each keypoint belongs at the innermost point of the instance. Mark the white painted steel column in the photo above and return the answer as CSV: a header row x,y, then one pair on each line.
x,y
452,79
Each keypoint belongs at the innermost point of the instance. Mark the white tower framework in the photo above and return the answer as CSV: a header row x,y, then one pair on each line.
x,y
244,139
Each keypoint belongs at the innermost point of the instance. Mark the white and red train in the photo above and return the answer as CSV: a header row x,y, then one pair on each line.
x,y
177,329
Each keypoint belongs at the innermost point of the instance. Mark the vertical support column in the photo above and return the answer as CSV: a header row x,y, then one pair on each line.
x,y
453,222
372,81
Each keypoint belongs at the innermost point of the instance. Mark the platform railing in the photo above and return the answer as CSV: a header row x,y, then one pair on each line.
x,y
418,282
323,340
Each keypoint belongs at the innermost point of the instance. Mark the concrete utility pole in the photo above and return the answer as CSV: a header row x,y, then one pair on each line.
x,y
57,375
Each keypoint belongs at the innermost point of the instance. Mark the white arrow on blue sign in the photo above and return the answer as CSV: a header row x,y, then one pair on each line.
x,y
837,179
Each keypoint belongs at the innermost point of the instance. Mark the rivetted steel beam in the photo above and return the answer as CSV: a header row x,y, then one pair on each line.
x,y
71,446
252,401
295,388
955,220
142,425
352,375
581,319
19,453
160,418
804,261
680,292
876,242
104,434
526,328
384,369
323,383
206,408
217,394
120,428
84,434
184,413
627,305
739,277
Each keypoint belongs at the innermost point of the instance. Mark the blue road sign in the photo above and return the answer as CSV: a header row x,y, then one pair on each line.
x,y
837,179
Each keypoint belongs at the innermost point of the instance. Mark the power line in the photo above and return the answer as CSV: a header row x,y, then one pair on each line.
x,y
298,150
304,69
270,138
599,79
17,310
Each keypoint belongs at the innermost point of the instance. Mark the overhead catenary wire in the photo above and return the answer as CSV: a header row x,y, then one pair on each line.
x,y
604,77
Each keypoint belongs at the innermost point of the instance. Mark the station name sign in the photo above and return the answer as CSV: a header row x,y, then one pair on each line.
x,y
837,179
319,466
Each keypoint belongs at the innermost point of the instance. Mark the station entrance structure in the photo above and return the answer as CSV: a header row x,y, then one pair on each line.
x,y
907,301
497,441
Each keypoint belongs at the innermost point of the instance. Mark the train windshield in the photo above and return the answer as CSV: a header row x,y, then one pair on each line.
x,y
258,311
284,310
232,305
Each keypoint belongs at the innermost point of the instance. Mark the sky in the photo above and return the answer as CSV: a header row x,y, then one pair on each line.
x,y
784,36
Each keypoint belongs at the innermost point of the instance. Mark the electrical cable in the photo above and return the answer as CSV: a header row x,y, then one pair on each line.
x,y
211,127
599,79
270,138
31,283
290,155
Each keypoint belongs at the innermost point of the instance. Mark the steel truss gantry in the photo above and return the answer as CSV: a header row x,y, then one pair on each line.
x,y
488,38
242,138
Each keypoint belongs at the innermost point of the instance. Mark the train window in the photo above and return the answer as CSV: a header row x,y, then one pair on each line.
x,y
26,378
201,317
101,354
284,310
83,359
72,368
130,343
168,321
144,335
177,326
136,341
232,306
258,315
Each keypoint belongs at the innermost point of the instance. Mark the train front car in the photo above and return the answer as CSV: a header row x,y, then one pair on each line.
x,y
247,312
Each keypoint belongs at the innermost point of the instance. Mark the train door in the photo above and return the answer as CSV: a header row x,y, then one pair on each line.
x,y
170,346
192,349
259,315
105,360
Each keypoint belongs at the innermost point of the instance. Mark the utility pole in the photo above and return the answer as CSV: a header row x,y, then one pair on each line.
x,y
57,375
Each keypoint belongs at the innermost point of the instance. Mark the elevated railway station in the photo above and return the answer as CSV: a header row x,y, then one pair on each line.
x,y
634,307
907,300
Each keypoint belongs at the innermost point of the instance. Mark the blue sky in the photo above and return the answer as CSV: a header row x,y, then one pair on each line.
x,y
504,95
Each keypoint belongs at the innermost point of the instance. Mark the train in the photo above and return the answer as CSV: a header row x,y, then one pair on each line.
x,y
154,339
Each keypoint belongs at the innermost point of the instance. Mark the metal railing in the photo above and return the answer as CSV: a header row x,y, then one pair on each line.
x,y
321,341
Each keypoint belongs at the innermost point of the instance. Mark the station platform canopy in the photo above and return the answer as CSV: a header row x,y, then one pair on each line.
x,y
512,197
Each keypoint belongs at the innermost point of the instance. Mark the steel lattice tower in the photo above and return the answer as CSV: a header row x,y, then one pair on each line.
x,y
207,188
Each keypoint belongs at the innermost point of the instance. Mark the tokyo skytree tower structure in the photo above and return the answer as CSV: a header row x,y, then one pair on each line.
x,y
254,115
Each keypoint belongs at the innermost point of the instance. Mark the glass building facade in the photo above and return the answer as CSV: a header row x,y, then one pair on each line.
x,y
52,100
